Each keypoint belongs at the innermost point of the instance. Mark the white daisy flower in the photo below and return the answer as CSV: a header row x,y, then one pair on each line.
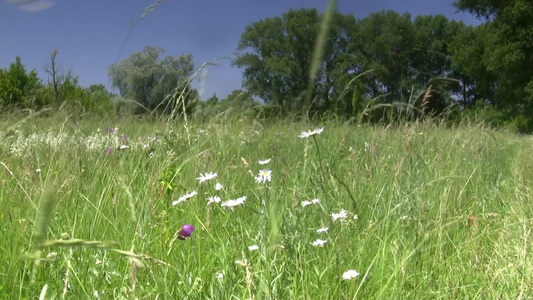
x,y
341,215
122,147
220,275
240,263
233,203
311,132
350,274
319,243
367,147
38,170
214,199
321,230
356,217
309,202
185,197
264,176
206,177
264,162
253,248
306,202
218,186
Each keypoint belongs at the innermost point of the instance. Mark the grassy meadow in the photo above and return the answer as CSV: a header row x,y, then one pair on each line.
x,y
414,212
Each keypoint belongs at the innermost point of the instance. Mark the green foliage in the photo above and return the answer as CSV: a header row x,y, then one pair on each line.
x,y
79,100
148,79
500,55
378,59
237,104
17,86
278,55
167,183
385,45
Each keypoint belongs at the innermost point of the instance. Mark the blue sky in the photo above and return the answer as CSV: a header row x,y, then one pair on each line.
x,y
89,34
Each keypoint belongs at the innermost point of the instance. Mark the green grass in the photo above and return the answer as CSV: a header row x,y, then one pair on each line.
x,y
411,188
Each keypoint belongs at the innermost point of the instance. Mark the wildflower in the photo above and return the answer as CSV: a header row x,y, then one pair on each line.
x,y
206,177
350,274
309,202
220,275
264,176
218,186
215,199
341,215
38,170
253,247
321,230
108,150
309,133
240,263
185,197
185,232
356,217
264,162
122,147
319,243
233,203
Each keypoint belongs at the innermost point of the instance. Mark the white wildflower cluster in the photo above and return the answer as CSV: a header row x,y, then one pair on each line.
x,y
21,145
98,141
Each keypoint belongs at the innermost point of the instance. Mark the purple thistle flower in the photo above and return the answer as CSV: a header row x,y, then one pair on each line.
x,y
185,232
108,150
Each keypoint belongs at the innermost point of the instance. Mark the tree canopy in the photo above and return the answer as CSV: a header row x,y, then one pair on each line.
x,y
147,78
497,56
17,86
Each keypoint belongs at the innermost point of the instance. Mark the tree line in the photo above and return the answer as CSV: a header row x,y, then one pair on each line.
x,y
379,68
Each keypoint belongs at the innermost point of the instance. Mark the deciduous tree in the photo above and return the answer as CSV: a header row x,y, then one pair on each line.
x,y
148,79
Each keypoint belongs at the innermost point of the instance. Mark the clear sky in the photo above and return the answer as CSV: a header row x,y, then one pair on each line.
x,y
90,34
